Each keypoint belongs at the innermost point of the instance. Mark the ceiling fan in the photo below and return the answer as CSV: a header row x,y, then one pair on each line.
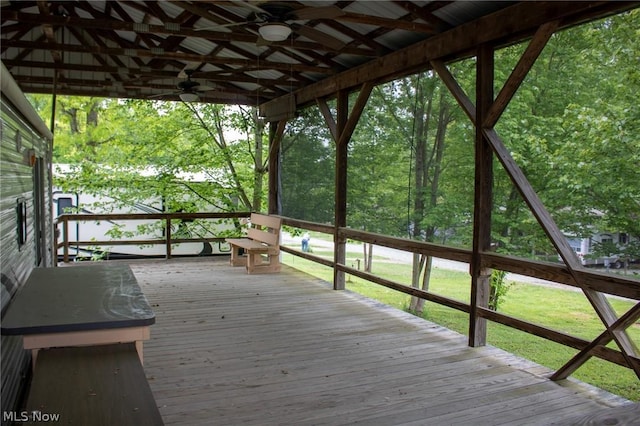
x,y
277,20
189,90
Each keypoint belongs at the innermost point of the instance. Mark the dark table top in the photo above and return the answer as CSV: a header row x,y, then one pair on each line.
x,y
78,298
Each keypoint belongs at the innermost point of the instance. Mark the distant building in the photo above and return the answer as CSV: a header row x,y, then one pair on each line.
x,y
585,247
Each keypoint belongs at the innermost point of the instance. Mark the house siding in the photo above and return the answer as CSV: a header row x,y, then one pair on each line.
x,y
25,180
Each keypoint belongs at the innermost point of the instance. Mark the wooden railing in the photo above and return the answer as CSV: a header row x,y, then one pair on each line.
x,y
605,283
167,240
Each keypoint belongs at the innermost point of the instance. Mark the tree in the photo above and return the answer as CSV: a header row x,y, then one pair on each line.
x,y
401,138
378,168
307,169
434,115
174,152
572,122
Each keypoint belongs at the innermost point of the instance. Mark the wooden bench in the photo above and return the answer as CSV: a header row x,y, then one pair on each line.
x,y
261,247
92,385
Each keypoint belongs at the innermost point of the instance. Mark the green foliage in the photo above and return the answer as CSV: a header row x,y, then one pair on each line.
x,y
96,254
572,128
379,152
143,151
498,289
604,248
631,251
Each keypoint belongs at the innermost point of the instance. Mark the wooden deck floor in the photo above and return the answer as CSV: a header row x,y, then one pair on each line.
x,y
284,349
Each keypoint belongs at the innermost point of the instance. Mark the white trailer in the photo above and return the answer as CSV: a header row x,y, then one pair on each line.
x,y
584,248
98,231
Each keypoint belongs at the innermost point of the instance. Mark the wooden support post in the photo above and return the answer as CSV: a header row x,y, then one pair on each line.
x,y
340,219
481,277
346,124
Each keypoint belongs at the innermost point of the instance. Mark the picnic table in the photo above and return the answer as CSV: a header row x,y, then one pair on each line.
x,y
78,306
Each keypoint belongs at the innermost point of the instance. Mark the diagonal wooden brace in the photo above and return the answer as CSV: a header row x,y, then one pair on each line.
x,y
613,331
615,327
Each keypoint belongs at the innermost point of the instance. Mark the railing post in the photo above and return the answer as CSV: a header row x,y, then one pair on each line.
x,y
54,251
65,239
168,236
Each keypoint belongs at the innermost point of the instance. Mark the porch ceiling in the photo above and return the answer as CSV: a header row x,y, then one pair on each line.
x,y
140,49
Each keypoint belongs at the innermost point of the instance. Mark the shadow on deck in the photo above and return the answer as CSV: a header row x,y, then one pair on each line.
x,y
229,348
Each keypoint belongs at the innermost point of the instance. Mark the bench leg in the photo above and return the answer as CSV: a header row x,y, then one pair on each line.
x,y
34,357
139,348
255,263
236,258
274,263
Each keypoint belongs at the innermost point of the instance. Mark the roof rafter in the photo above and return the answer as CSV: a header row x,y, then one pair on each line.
x,y
138,48
496,28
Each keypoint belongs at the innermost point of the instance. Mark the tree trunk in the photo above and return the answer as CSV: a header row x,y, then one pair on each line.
x,y
416,271
217,138
92,116
428,171
421,115
426,279
368,256
73,119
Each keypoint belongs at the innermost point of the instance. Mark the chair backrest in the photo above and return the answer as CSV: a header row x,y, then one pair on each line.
x,y
265,229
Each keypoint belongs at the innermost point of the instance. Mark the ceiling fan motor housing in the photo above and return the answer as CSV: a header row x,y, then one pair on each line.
x,y
275,12
188,85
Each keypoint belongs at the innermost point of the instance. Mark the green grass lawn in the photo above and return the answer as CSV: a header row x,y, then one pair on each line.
x,y
562,310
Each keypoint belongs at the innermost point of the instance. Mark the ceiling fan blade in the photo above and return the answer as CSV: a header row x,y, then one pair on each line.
x,y
250,5
319,36
262,42
160,95
322,12
204,88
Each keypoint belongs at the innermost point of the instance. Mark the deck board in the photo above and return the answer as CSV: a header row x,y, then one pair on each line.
x,y
230,348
